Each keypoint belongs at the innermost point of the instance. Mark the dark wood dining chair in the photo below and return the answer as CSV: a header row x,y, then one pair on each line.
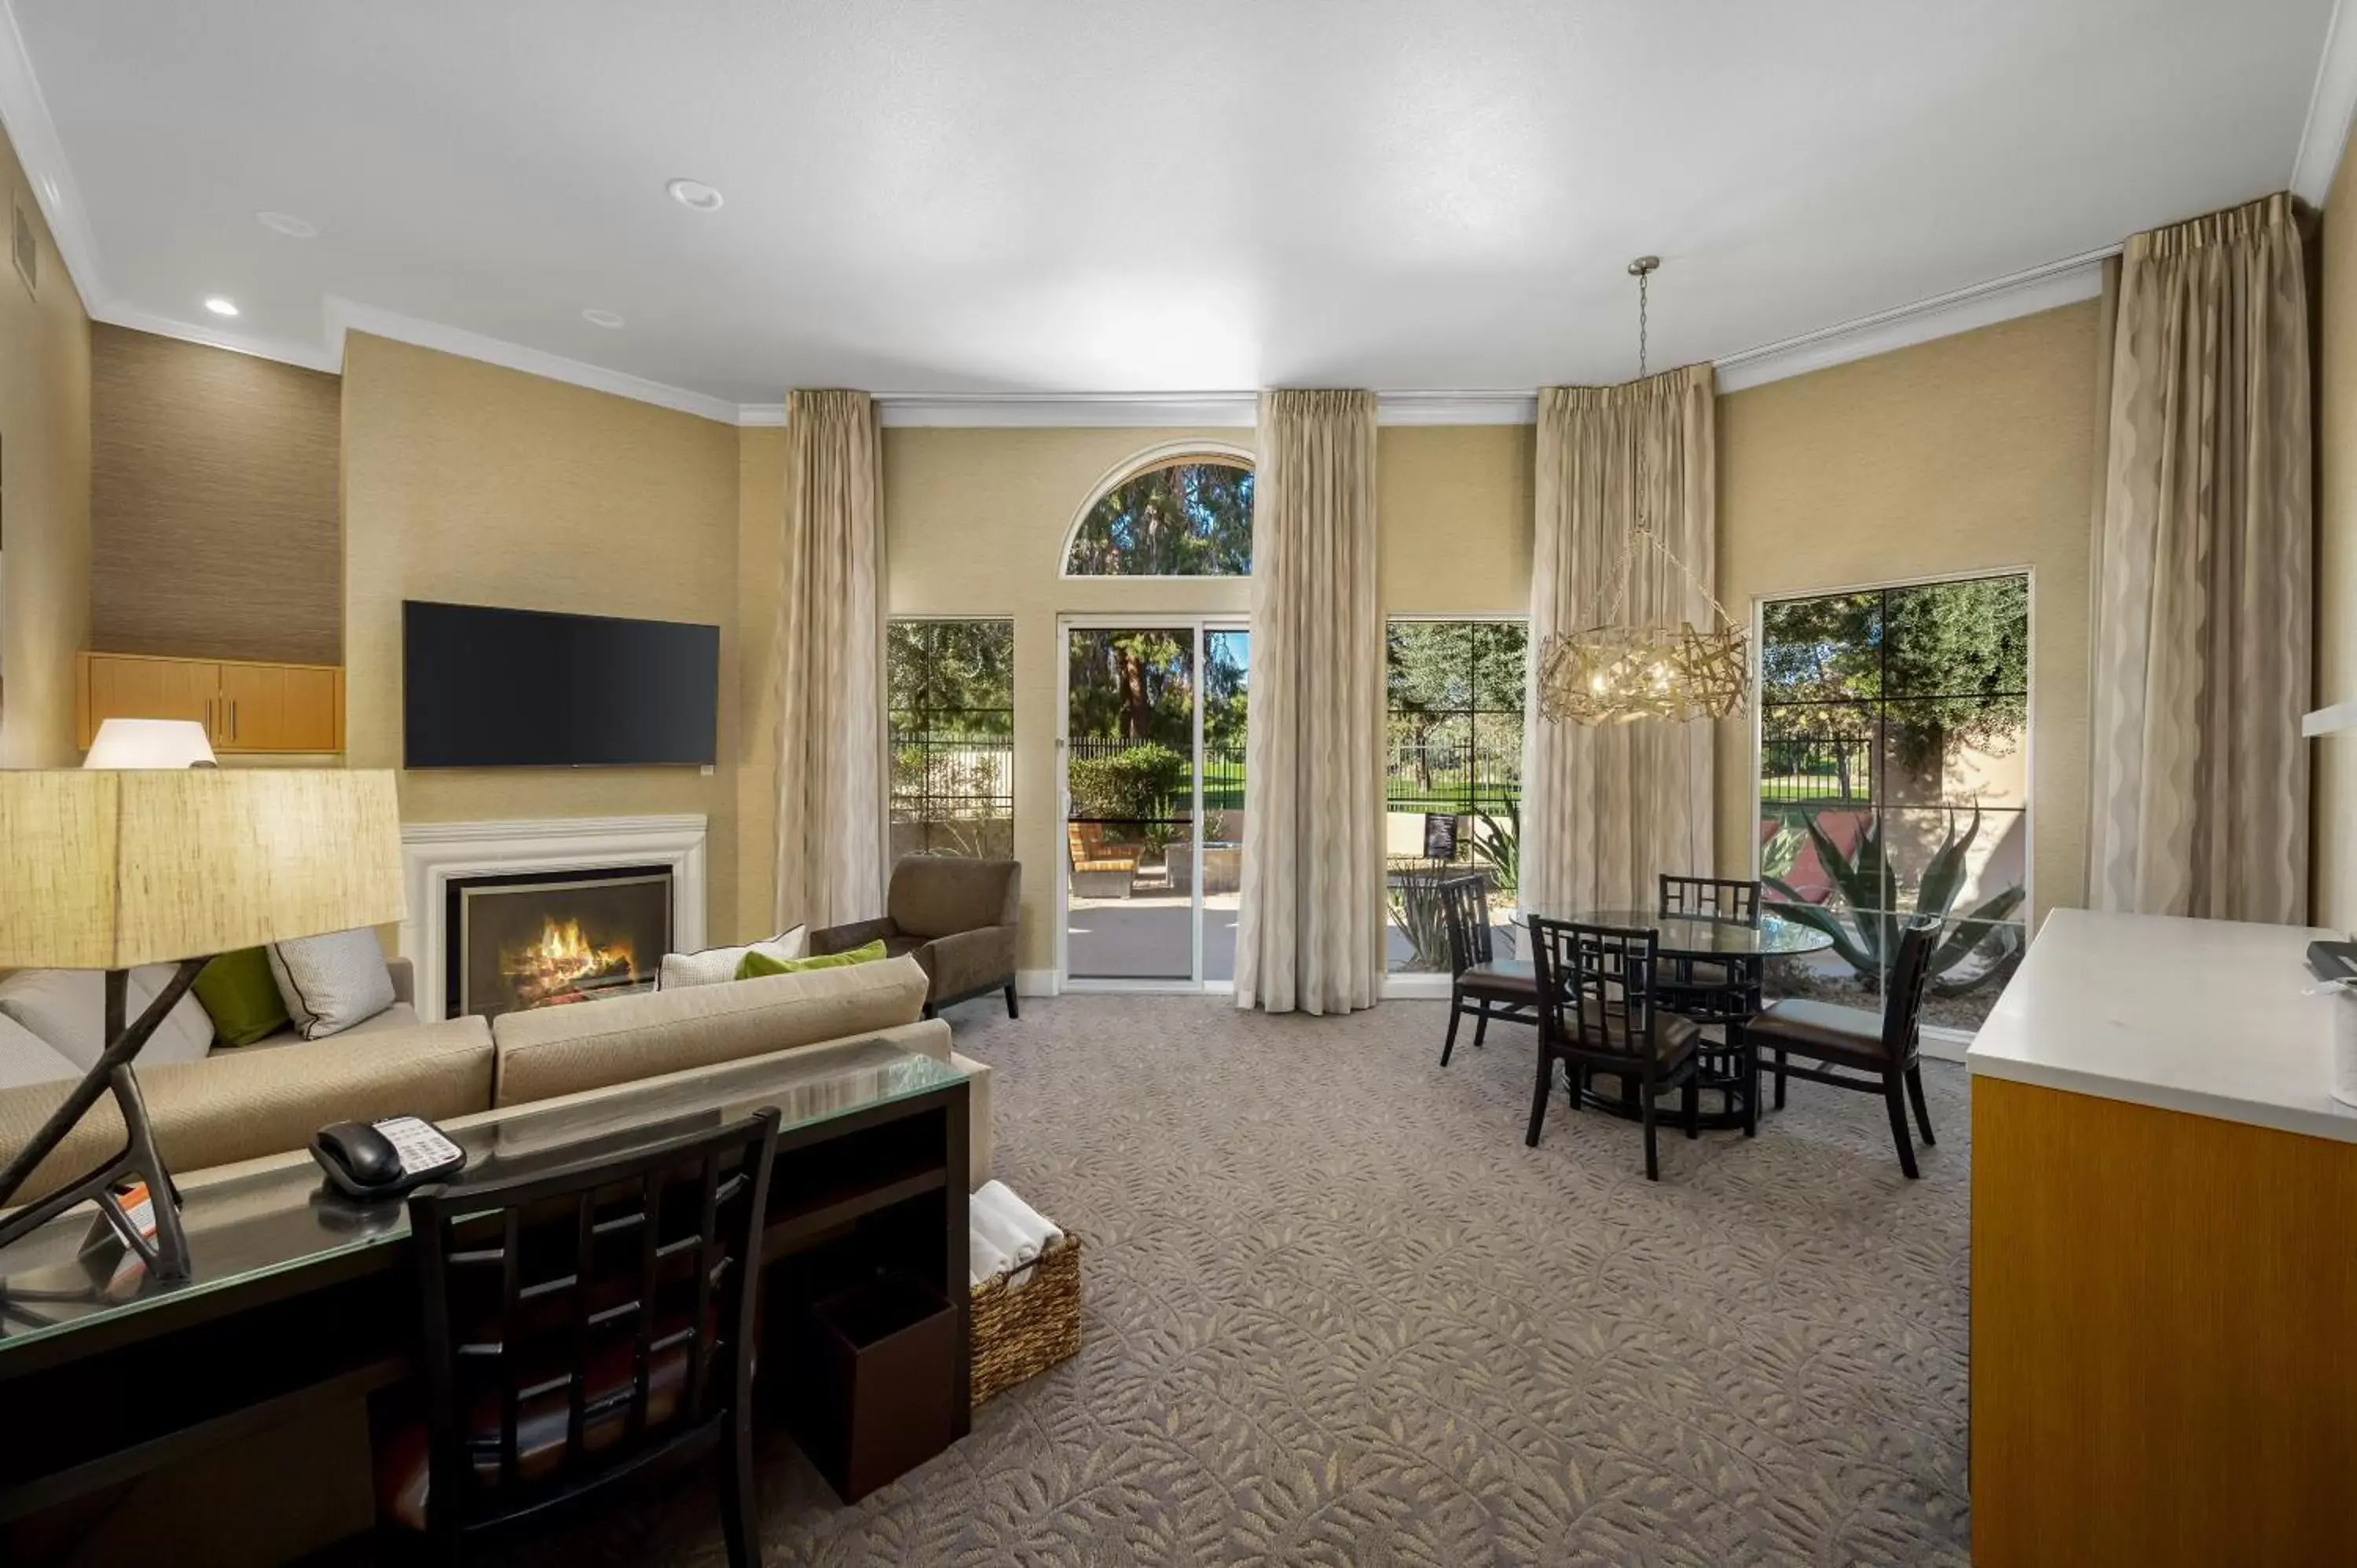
x,y
585,1322
1480,983
1722,901
1600,1010
1877,1053
1719,997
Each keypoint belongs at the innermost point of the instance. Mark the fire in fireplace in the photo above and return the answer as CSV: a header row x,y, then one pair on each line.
x,y
548,939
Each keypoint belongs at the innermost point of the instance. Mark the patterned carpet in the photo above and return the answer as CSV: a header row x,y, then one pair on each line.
x,y
1337,1314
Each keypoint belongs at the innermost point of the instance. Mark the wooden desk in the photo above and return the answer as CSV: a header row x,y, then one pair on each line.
x,y
2164,1255
302,1300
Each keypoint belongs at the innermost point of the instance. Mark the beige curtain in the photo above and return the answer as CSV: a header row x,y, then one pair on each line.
x,y
2203,577
829,671
1607,809
1311,930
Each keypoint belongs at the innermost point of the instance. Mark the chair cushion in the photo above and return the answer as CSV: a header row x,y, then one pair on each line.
x,y
1507,977
1673,1037
1820,1029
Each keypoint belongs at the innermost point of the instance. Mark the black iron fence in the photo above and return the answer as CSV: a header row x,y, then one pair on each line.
x,y
1798,771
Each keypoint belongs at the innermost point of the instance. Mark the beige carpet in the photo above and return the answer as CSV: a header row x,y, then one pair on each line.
x,y
1337,1314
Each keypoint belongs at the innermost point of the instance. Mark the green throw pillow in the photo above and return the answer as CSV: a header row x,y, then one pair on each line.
x,y
754,965
240,996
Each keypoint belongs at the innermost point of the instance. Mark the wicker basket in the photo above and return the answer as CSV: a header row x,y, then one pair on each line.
x,y
1018,1334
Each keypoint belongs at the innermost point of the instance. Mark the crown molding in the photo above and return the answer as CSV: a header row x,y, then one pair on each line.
x,y
286,350
1035,411
2047,287
348,316
24,113
2330,104
1456,407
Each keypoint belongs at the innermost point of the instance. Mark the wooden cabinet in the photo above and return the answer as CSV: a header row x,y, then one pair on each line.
x,y
244,705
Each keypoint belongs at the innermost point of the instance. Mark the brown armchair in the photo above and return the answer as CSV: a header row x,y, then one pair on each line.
x,y
957,917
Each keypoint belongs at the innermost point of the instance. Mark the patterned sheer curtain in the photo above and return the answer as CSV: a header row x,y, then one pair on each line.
x,y
1607,809
2203,576
1309,932
829,670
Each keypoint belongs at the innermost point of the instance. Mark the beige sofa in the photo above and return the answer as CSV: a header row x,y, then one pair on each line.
x,y
251,1102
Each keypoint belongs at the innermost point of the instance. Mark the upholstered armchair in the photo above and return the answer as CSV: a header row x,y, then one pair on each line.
x,y
955,916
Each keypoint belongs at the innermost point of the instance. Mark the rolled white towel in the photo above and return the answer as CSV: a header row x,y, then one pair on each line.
x,y
984,1258
987,1221
1028,1223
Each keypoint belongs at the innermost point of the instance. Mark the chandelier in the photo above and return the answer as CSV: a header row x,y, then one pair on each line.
x,y
1619,670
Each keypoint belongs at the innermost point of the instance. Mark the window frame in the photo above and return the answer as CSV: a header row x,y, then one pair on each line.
x,y
1447,617
1162,455
1940,1041
1014,749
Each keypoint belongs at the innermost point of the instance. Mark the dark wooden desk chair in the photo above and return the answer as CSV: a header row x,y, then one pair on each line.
x,y
1849,1043
1600,1010
1480,983
582,1325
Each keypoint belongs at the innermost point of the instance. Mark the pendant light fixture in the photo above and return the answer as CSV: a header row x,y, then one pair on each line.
x,y
1620,668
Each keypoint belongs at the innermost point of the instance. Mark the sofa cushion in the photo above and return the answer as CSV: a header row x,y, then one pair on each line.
x,y
550,1051
242,1104
67,1009
758,963
716,966
26,1058
331,983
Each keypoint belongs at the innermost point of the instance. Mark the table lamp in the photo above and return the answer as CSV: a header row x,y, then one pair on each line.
x,y
149,742
108,869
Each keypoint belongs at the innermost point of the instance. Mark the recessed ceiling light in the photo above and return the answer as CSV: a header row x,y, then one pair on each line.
x,y
695,194
286,223
597,317
221,307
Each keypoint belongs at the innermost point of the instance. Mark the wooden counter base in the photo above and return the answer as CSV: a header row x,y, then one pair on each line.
x,y
2164,1336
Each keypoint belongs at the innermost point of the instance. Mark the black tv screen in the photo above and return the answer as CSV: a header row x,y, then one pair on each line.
x,y
494,688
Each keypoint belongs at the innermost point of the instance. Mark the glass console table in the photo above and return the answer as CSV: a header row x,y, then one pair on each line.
x,y
299,1294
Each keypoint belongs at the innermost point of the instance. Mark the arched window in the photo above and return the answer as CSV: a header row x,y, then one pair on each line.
x,y
1176,512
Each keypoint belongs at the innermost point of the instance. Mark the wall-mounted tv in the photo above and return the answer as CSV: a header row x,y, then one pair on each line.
x,y
500,688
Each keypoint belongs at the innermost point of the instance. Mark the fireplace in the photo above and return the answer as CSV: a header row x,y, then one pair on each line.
x,y
546,938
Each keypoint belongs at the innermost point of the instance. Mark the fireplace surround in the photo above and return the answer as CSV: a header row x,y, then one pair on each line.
x,y
435,856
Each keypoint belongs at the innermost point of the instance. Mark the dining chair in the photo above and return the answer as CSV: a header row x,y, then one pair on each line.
x,y
1600,1010
1480,982
585,1322
1848,1044
1719,997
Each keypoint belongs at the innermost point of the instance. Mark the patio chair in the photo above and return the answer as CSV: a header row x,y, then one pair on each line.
x,y
1099,870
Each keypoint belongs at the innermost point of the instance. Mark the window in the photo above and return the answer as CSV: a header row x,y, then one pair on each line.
x,y
1894,782
1183,515
949,685
1454,743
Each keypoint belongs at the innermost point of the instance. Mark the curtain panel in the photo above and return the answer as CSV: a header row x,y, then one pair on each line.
x,y
1311,929
1607,809
828,674
2203,576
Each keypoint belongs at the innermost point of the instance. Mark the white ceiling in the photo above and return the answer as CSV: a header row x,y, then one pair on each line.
x,y
1045,195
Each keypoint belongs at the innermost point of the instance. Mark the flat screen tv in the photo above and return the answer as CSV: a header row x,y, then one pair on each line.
x,y
495,688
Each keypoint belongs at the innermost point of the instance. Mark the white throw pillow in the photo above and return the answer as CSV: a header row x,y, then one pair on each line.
x,y
26,1058
331,983
714,965
66,1008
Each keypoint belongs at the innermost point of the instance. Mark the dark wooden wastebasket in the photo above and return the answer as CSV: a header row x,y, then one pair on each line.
x,y
875,1377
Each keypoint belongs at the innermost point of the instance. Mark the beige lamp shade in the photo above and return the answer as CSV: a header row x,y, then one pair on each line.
x,y
148,743
101,869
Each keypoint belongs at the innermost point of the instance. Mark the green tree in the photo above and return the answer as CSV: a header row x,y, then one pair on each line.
x,y
1132,685
1188,519
950,677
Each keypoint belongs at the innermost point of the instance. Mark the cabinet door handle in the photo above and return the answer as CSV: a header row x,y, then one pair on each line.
x,y
232,718
208,717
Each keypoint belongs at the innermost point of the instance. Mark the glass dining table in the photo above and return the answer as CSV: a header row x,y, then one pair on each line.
x,y
1690,952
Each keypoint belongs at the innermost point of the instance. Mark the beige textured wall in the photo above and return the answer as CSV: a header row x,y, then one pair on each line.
x,y
2333,890
760,522
466,482
1967,454
44,493
213,523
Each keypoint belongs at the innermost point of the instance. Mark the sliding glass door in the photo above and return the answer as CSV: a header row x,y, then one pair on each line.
x,y
1153,796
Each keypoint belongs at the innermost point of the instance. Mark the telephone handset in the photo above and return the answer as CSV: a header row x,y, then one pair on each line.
x,y
374,1161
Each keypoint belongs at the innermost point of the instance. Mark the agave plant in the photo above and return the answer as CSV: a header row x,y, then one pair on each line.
x,y
1497,847
1865,935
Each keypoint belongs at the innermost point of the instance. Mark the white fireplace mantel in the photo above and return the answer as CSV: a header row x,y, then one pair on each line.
x,y
432,854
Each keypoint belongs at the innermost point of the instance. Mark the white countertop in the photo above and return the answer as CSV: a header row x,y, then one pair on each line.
x,y
2204,1016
